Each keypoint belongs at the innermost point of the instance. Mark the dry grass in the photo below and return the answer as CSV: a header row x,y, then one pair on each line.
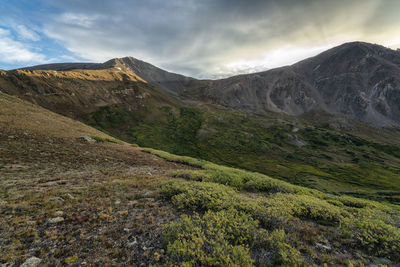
x,y
93,75
24,116
104,192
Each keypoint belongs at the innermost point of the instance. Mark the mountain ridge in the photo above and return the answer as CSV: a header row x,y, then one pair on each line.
x,y
356,80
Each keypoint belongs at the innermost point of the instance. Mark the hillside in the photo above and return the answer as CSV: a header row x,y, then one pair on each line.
x,y
63,198
315,149
66,201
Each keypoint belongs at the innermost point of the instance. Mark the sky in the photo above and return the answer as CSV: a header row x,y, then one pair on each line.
x,y
198,38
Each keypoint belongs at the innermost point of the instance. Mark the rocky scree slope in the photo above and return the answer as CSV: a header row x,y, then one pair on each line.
x,y
360,81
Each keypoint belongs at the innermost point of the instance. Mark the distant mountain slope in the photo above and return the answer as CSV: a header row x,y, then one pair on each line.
x,y
81,91
357,80
360,81
170,82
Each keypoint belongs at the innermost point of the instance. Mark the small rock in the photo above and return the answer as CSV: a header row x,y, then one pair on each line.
x,y
87,139
327,247
133,202
295,140
148,193
117,202
56,220
132,244
7,264
59,213
149,199
56,199
31,262
383,261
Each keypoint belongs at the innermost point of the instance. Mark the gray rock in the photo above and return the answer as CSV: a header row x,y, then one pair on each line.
x,y
59,213
326,247
7,264
295,140
56,220
31,262
87,139
56,199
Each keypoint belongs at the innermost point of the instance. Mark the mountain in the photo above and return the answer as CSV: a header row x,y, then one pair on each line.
x,y
356,80
72,195
170,82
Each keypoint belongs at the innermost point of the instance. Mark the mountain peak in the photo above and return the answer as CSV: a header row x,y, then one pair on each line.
x,y
357,49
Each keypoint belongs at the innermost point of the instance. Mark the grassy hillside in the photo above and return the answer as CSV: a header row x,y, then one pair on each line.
x,y
313,155
68,202
243,218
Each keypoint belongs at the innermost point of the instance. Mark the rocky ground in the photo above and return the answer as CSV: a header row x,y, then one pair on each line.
x,y
65,201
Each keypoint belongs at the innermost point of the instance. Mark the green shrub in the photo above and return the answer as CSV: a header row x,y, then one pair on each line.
x,y
239,179
215,239
102,139
374,236
280,207
280,252
271,211
364,225
354,202
175,158
198,196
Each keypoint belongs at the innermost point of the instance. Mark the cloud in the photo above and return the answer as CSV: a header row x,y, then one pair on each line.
x,y
217,37
12,51
27,34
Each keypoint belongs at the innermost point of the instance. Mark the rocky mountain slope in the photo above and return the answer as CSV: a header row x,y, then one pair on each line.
x,y
356,80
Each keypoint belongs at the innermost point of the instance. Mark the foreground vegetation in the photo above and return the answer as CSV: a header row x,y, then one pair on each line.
x,y
316,156
235,217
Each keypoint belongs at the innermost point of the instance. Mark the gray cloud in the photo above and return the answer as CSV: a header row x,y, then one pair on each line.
x,y
206,38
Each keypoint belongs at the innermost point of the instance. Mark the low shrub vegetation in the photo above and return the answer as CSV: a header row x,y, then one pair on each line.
x,y
226,238
102,139
286,225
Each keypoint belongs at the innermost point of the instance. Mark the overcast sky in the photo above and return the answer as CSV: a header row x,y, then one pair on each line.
x,y
200,38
